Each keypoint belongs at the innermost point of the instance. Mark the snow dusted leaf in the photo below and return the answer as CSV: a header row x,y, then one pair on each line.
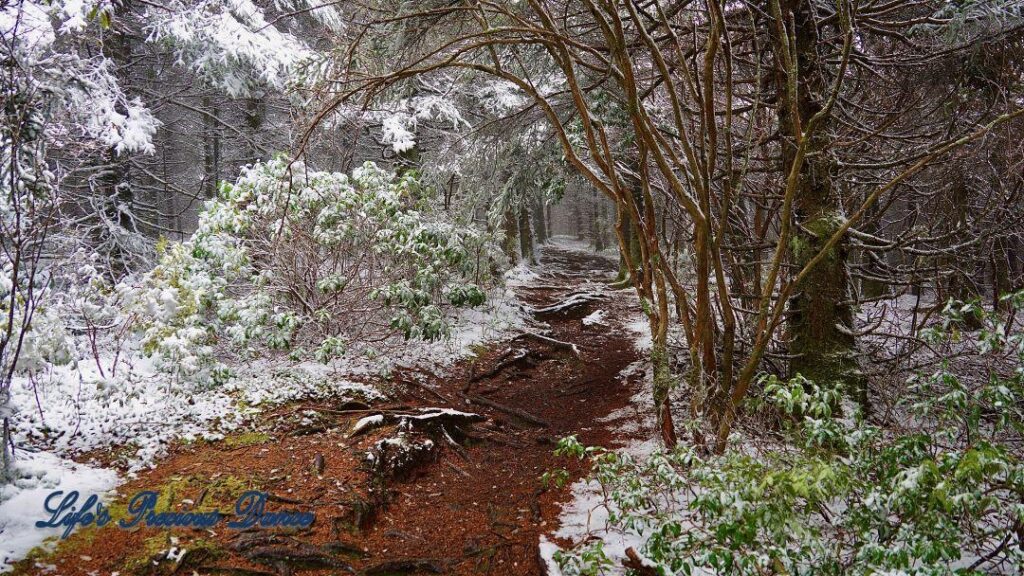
x,y
324,12
397,132
76,14
500,96
399,126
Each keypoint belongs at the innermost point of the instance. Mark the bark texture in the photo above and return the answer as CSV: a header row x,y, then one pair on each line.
x,y
820,319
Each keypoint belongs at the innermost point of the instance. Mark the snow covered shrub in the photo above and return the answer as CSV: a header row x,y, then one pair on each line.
x,y
941,495
27,203
289,258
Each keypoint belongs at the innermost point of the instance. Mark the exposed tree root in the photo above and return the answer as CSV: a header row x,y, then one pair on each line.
x,y
559,344
520,414
287,558
570,304
429,420
404,567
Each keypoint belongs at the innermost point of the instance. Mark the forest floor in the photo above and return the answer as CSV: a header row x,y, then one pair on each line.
x,y
467,499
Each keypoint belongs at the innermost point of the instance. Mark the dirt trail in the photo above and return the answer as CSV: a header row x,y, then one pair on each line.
x,y
476,507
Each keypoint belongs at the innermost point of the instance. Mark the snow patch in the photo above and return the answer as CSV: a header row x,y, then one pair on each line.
x,y
21,502
547,555
520,275
641,327
596,318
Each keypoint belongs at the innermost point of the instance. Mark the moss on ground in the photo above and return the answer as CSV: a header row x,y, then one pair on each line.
x,y
246,439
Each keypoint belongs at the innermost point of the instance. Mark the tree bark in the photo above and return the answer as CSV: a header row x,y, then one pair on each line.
x,y
539,225
510,227
525,235
820,314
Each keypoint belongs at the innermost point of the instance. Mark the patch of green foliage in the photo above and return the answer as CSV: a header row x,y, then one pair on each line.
x,y
940,496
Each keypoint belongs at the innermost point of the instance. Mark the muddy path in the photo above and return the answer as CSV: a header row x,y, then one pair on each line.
x,y
472,503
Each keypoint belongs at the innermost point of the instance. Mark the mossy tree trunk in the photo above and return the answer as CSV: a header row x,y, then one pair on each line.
x,y
820,320
624,219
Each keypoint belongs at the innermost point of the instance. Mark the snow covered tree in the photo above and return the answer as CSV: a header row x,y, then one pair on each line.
x,y
59,107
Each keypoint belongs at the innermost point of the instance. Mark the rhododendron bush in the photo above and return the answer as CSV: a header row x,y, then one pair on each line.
x,y
840,494
289,258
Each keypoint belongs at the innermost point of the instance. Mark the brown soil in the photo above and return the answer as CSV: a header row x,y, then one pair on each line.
x,y
478,508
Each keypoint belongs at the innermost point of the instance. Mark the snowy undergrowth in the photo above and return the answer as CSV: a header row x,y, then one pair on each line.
x,y
835,494
73,409
69,410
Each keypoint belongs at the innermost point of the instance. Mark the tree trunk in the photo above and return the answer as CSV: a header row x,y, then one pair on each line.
x,y
211,148
6,455
115,178
525,235
577,218
255,110
596,225
632,232
539,226
508,225
820,320
663,382
547,222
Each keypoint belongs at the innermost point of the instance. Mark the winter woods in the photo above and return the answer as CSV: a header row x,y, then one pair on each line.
x,y
817,205
782,148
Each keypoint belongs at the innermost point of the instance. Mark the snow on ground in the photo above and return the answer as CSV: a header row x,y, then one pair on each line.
x,y
586,516
503,315
641,327
573,243
520,276
77,408
21,503
73,409
595,318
